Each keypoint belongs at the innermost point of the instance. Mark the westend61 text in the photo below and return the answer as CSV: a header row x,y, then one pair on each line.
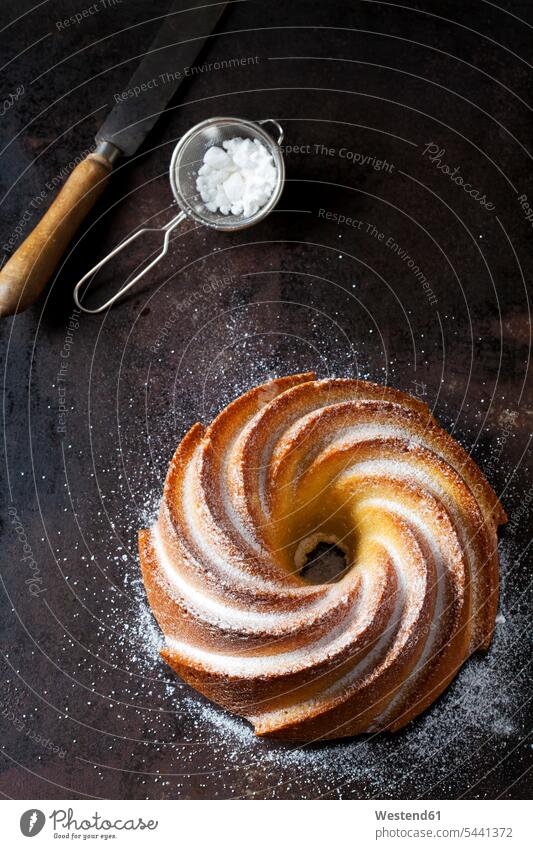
x,y
407,815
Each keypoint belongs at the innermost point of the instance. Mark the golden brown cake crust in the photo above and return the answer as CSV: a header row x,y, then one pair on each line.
x,y
288,464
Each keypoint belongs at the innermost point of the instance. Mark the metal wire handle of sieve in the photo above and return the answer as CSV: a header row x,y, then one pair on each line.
x,y
197,140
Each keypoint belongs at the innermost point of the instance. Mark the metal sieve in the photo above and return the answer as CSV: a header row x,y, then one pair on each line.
x,y
186,160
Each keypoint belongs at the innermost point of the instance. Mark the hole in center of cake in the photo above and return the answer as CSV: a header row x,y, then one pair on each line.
x,y
321,561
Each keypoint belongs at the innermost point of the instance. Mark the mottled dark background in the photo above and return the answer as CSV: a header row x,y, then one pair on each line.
x,y
87,709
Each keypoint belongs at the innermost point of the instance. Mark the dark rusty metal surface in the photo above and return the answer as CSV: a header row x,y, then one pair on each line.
x,y
424,287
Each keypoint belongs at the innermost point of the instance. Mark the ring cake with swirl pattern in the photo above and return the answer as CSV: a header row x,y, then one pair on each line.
x,y
290,464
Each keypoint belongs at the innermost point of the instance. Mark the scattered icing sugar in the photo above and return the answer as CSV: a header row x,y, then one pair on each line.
x,y
482,705
199,750
427,758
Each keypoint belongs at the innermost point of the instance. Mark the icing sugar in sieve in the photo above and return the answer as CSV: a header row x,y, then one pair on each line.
x,y
256,175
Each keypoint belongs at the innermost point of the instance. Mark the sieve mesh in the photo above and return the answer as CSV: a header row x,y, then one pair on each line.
x,y
187,159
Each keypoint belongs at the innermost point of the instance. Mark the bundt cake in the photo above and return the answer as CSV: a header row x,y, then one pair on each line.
x,y
288,465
